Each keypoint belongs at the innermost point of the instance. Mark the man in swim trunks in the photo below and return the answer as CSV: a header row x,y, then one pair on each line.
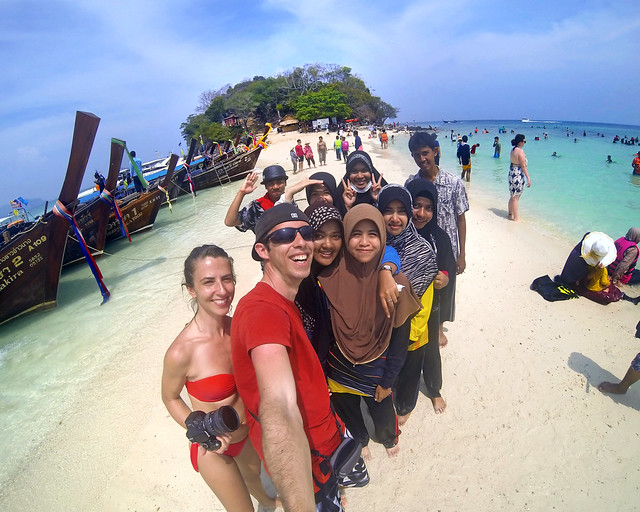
x,y
278,374
464,158
274,179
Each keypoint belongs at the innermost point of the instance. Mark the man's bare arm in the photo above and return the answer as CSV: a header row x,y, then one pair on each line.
x,y
462,237
284,442
249,185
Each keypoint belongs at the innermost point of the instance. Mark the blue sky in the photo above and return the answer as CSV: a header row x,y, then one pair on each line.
x,y
141,65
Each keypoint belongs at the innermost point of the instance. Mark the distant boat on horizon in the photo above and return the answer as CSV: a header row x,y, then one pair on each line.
x,y
525,120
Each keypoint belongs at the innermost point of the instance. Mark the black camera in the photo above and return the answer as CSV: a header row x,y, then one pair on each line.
x,y
203,428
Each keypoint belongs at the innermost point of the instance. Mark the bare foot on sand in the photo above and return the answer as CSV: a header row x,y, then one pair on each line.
x,y
403,419
610,387
366,453
443,339
439,405
393,452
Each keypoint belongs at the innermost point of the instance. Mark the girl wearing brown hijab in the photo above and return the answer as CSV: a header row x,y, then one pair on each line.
x,y
370,347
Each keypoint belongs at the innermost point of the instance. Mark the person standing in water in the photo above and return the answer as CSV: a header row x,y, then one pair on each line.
x,y
497,146
517,174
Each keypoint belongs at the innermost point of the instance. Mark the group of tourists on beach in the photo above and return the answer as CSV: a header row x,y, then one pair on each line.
x,y
349,313
348,317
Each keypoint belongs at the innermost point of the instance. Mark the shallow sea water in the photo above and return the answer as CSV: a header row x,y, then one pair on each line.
x,y
571,194
46,357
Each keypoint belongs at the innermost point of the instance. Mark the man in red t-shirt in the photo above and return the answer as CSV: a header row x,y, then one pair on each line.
x,y
277,372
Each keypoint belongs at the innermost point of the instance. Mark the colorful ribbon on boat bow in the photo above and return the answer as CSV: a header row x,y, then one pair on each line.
x,y
110,199
61,211
191,185
160,187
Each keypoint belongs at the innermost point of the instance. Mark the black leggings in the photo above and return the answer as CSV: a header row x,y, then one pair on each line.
x,y
382,413
432,364
408,384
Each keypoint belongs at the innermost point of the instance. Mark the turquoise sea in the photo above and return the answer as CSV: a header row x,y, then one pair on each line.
x,y
45,358
575,192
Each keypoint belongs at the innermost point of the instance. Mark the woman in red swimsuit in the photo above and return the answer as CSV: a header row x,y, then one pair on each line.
x,y
200,360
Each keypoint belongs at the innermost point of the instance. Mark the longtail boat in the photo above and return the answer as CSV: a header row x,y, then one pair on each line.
x,y
224,171
30,262
179,184
139,211
92,217
233,163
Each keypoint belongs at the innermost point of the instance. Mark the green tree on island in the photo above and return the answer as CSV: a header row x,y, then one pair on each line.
x,y
327,102
313,91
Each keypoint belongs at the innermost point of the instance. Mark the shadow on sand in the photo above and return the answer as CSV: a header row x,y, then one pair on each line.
x,y
595,374
500,212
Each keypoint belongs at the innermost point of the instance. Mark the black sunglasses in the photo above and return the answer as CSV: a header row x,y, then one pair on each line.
x,y
288,235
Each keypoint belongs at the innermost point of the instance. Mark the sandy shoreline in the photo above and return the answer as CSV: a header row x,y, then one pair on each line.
x,y
525,428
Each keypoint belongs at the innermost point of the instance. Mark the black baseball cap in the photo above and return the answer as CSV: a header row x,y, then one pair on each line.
x,y
283,212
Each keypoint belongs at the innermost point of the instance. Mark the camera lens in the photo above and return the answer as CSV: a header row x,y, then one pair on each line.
x,y
221,421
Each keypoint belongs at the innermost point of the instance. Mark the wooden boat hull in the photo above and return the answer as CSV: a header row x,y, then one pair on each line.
x,y
138,214
30,263
175,187
93,217
30,268
90,218
236,167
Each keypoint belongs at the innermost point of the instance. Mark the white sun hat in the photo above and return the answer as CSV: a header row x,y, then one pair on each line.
x,y
598,248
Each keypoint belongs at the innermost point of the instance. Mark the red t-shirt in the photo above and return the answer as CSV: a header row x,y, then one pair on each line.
x,y
265,201
264,316
299,150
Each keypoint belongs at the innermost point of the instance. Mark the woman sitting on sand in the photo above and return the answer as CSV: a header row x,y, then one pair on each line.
x,y
586,268
200,360
517,173
370,347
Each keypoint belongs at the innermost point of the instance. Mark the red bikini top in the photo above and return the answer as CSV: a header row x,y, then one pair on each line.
x,y
212,389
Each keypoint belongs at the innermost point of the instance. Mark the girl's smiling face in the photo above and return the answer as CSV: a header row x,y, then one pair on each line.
x,y
395,217
422,211
327,242
364,242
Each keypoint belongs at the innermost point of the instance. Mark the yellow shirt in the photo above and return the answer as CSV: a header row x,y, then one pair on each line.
x,y
419,324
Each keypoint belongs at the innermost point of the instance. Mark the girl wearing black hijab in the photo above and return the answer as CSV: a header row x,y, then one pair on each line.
x,y
419,264
325,192
425,201
361,183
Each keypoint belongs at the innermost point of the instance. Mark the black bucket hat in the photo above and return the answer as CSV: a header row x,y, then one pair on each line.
x,y
273,172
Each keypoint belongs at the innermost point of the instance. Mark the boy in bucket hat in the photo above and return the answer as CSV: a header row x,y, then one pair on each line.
x,y
274,179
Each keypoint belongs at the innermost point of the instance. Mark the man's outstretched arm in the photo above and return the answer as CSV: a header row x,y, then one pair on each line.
x,y
284,442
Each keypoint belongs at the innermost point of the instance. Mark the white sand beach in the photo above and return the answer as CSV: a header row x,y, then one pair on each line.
x,y
525,427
